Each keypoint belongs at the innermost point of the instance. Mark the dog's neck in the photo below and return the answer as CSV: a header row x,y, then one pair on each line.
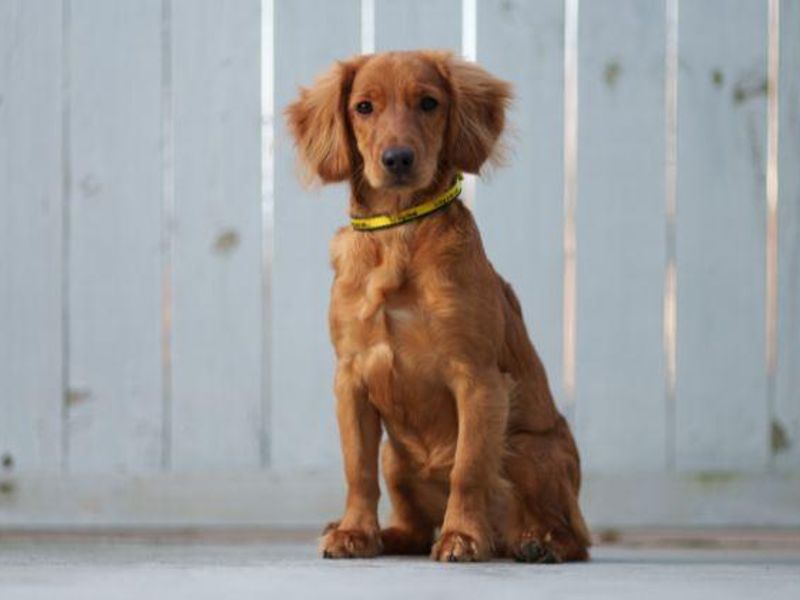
x,y
366,201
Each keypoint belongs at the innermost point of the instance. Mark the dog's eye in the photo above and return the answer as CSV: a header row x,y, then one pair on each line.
x,y
428,104
364,107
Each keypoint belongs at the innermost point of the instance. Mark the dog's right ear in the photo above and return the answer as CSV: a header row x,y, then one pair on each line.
x,y
318,122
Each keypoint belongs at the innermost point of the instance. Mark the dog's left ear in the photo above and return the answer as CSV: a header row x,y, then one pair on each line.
x,y
318,122
477,114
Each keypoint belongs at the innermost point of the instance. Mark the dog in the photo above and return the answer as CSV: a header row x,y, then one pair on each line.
x,y
430,342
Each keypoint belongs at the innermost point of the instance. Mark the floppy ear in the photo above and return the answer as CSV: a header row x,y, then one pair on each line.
x,y
477,114
318,122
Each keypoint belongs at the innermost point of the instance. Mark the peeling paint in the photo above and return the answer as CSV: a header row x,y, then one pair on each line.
x,y
779,441
75,396
612,72
226,242
744,91
90,186
609,536
714,477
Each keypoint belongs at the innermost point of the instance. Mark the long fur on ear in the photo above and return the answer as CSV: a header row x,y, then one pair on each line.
x,y
318,122
477,114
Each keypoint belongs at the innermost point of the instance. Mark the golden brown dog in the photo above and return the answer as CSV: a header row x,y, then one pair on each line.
x,y
430,341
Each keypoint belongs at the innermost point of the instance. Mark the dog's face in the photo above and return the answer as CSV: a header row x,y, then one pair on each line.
x,y
397,111
398,119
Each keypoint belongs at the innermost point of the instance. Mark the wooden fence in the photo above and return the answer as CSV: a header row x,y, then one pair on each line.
x,y
164,356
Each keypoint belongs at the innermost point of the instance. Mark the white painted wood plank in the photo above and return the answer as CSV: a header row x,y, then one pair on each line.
x,y
418,24
699,499
31,334
216,339
302,497
309,36
198,498
786,429
115,226
621,230
721,400
519,207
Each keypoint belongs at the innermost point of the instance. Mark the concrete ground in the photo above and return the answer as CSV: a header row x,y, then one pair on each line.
x,y
288,567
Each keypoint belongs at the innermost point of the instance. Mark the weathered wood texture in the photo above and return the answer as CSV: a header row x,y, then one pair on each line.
x,y
418,24
519,207
31,226
785,429
621,229
115,358
134,253
216,259
721,393
302,413
309,498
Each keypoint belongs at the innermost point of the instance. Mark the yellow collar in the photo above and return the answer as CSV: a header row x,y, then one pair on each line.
x,y
415,212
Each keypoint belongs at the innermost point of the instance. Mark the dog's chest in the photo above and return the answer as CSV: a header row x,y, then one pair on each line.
x,y
380,321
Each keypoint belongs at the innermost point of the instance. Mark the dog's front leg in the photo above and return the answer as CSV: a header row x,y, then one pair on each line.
x,y
357,534
482,404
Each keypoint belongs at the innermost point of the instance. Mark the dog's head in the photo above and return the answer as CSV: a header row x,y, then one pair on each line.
x,y
398,119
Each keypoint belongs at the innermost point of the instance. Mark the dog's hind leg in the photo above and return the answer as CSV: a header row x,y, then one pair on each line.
x,y
546,524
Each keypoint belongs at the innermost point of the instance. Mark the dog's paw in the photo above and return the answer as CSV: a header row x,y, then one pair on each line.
x,y
454,546
532,549
550,548
349,543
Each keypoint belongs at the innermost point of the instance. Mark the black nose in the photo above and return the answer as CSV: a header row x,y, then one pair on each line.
x,y
398,159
